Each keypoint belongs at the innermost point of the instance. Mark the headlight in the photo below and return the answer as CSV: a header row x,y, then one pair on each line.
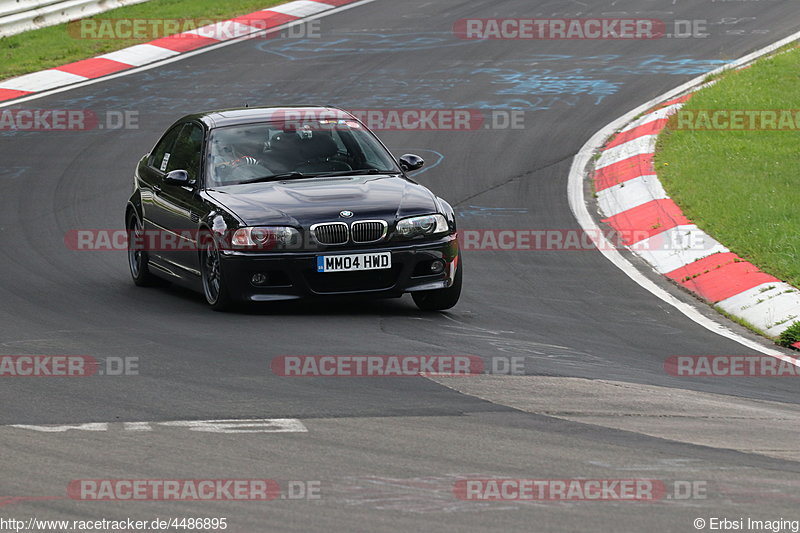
x,y
271,238
424,225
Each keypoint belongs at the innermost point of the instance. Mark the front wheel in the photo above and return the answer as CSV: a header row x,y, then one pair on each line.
x,y
440,299
137,257
214,288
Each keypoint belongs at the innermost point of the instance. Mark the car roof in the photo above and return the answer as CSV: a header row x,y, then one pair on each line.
x,y
251,115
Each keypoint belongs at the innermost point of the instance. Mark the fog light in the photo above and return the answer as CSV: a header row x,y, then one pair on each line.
x,y
437,267
259,279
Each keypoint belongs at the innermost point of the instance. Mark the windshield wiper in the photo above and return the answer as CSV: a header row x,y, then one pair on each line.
x,y
357,172
277,177
300,175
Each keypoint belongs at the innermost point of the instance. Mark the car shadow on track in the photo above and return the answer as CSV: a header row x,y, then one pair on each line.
x,y
327,306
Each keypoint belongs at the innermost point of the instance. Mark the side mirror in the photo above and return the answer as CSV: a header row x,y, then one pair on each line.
x,y
178,177
411,162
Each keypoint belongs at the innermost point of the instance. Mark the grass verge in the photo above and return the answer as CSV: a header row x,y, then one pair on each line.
x,y
790,336
53,46
742,186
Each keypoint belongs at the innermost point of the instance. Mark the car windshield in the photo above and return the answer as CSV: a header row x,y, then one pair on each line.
x,y
281,150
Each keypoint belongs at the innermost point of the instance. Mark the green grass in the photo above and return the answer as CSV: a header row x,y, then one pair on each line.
x,y
53,46
790,335
743,187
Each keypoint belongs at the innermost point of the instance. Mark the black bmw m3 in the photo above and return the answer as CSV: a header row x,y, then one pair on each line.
x,y
266,204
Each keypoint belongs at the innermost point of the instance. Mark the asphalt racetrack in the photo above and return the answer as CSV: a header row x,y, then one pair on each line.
x,y
595,403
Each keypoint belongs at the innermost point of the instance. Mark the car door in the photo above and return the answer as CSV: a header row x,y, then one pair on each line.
x,y
176,208
150,181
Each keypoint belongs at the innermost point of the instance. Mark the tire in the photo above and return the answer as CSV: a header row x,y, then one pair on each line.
x,y
440,299
214,288
138,261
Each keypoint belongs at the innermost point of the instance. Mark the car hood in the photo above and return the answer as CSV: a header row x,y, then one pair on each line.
x,y
303,202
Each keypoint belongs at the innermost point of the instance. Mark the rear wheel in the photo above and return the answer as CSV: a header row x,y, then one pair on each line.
x,y
440,299
137,257
214,288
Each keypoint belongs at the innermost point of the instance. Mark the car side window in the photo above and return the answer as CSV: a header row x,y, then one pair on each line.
x,y
162,153
187,150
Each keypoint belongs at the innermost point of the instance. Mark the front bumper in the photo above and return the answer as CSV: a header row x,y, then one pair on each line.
x,y
292,275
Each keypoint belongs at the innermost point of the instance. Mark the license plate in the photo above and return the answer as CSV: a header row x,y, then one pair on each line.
x,y
354,262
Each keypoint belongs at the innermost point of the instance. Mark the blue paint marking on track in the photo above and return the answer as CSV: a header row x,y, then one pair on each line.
x,y
13,172
531,83
360,43
549,82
